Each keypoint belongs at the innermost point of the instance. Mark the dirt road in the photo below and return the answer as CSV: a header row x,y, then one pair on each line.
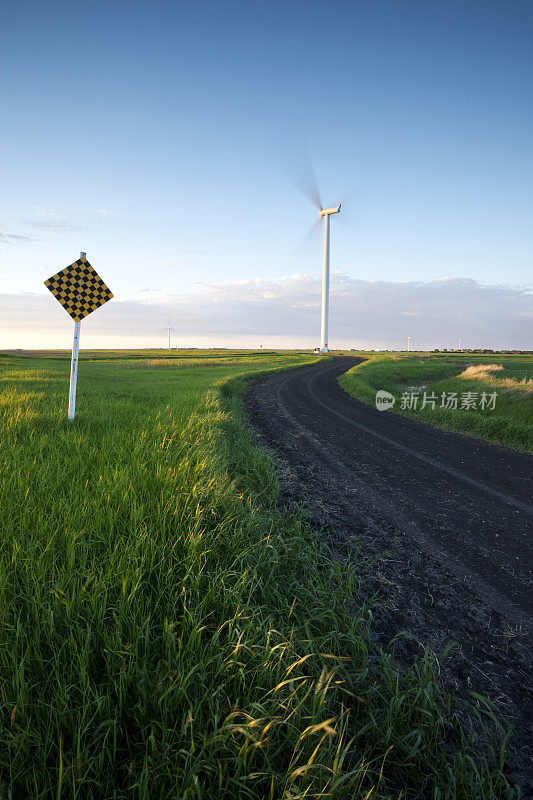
x,y
449,516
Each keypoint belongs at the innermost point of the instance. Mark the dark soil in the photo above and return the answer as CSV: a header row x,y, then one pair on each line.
x,y
445,520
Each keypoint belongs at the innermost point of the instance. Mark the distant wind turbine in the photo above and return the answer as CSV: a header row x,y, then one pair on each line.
x,y
169,329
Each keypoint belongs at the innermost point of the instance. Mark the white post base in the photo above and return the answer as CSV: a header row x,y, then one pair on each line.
x,y
74,371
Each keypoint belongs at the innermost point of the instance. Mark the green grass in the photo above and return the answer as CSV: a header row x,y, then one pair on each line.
x,y
167,632
511,421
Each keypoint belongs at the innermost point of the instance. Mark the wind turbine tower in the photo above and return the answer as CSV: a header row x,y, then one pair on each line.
x,y
408,344
169,329
326,213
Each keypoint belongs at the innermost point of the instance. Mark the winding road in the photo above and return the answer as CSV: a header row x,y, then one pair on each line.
x,y
445,519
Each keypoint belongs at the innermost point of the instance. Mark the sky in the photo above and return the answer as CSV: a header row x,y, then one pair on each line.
x,y
171,141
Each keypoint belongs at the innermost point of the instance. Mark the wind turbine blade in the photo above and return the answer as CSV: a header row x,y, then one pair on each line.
x,y
308,248
301,174
307,185
308,189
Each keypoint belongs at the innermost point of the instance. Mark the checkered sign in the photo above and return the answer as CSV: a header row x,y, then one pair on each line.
x,y
79,289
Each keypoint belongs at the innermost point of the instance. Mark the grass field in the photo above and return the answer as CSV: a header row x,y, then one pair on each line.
x,y
511,376
167,632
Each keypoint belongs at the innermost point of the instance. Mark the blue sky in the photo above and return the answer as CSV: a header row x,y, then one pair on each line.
x,y
162,138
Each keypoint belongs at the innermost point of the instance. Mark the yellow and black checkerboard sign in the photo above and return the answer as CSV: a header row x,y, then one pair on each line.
x,y
79,289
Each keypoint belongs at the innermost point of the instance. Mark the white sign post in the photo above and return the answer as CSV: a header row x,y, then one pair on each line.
x,y
80,290
74,365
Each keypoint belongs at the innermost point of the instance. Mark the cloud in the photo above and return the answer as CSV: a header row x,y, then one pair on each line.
x,y
41,211
287,311
9,238
52,224
48,218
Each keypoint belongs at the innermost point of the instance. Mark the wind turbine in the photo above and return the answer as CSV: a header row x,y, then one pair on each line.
x,y
169,329
324,322
306,183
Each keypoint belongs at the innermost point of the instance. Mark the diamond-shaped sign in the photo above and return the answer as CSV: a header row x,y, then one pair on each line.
x,y
79,289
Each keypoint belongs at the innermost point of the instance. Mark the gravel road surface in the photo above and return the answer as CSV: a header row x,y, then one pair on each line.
x,y
449,517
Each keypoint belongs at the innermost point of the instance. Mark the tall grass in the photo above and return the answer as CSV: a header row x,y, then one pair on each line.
x,y
511,421
167,632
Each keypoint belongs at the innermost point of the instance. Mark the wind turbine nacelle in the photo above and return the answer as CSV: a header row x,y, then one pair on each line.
x,y
335,210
